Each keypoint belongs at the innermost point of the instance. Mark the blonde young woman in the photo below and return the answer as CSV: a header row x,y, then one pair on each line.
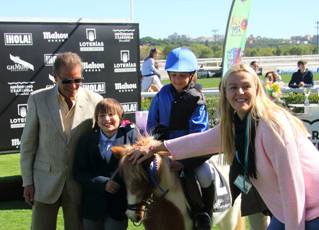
x,y
272,152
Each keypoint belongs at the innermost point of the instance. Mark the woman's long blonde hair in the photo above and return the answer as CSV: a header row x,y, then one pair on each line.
x,y
262,108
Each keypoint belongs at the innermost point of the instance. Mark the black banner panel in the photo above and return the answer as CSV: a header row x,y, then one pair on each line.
x,y
110,55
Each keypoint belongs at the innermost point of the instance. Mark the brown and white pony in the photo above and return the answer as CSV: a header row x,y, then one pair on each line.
x,y
155,195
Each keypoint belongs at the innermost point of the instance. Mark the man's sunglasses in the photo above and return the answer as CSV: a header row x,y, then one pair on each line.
x,y
71,81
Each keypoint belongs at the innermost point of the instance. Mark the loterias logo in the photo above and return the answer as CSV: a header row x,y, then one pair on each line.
x,y
18,39
129,107
126,65
125,87
19,122
20,65
55,36
92,44
93,67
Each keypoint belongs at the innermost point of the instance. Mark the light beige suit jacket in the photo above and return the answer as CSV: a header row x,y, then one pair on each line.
x,y
46,153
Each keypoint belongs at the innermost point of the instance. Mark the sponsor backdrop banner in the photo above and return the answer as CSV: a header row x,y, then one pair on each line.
x,y
235,39
110,55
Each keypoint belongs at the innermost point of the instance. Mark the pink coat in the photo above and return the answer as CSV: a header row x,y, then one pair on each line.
x,y
287,172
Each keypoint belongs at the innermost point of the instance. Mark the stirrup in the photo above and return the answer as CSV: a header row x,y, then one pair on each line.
x,y
202,221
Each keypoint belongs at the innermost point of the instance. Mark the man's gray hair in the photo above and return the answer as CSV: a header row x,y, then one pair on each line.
x,y
66,60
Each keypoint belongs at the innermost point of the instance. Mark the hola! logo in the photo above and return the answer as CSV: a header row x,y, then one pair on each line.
x,y
129,107
49,59
18,39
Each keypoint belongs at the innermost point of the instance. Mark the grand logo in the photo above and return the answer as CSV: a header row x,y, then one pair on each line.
x,y
18,39
93,67
97,87
91,44
129,107
55,36
125,87
21,88
49,59
124,35
19,64
19,122
126,65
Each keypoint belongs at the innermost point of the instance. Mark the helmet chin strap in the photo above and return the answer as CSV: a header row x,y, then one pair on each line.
x,y
190,80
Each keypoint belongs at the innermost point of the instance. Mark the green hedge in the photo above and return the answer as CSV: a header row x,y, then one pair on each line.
x,y
212,103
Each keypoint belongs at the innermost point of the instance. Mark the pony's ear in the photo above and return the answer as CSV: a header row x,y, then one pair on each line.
x,y
119,151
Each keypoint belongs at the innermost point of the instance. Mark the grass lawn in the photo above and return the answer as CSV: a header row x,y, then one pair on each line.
x,y
214,82
16,215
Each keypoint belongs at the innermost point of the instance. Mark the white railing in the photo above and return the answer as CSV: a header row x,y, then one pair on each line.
x,y
284,63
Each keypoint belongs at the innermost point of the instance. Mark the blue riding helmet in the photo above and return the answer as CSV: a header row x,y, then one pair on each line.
x,y
181,60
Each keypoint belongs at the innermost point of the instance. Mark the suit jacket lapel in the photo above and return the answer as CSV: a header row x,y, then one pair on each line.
x,y
79,112
54,110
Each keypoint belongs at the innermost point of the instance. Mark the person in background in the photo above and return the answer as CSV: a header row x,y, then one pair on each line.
x,y
56,118
273,86
178,109
268,148
150,74
255,66
302,78
95,168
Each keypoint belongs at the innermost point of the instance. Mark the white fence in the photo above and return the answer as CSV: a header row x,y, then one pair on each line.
x,y
280,63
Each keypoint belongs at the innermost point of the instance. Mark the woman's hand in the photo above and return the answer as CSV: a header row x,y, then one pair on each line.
x,y
111,186
141,153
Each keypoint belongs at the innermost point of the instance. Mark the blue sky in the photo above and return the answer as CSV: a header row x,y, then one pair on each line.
x,y
158,19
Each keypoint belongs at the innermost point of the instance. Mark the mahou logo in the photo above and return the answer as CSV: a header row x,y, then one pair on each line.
x,y
18,39
125,87
55,36
93,67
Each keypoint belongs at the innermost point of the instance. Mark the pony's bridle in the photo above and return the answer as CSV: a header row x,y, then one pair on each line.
x,y
145,204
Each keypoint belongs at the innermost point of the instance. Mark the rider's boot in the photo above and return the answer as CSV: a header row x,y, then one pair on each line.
x,y
208,195
202,220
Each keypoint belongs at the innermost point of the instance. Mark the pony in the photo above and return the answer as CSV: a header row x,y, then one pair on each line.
x,y
155,195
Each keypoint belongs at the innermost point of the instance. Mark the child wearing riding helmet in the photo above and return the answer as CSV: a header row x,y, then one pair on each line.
x,y
179,109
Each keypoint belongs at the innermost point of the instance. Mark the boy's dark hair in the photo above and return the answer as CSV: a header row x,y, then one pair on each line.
x,y
301,62
108,105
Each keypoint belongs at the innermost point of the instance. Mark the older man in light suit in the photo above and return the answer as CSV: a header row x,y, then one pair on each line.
x,y
56,118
